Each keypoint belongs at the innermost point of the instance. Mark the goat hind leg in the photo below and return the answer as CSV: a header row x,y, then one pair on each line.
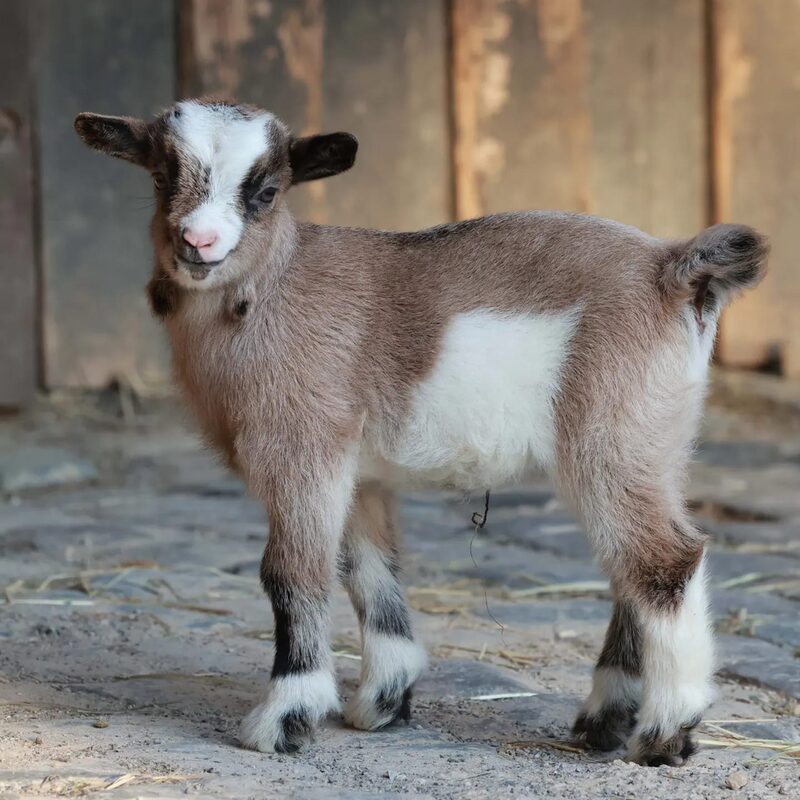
x,y
609,713
665,582
678,675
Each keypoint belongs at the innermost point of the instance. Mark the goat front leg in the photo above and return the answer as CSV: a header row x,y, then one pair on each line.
x,y
307,515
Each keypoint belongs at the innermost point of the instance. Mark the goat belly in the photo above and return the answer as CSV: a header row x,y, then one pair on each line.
x,y
484,415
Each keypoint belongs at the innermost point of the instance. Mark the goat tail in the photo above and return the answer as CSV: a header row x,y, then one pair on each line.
x,y
717,263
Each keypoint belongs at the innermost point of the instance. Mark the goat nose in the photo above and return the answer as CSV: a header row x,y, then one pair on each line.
x,y
199,239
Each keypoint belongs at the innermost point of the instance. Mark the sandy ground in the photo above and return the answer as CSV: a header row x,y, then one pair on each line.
x,y
134,634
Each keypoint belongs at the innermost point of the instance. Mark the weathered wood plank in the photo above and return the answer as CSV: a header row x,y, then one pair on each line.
x,y
111,58
18,359
377,68
648,103
756,168
590,105
521,116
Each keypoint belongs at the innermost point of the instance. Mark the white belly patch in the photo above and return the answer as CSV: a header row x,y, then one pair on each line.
x,y
484,416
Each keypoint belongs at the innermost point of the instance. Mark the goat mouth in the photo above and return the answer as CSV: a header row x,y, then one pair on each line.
x,y
198,271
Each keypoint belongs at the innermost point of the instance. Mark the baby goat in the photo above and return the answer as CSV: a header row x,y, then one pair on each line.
x,y
332,366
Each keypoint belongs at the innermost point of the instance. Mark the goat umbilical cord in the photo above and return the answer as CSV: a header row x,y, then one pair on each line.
x,y
479,522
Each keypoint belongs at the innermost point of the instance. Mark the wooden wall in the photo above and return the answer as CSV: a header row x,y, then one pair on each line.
x,y
18,336
591,105
97,55
665,114
756,138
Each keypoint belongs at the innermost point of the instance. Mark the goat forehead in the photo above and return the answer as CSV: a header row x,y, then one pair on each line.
x,y
222,139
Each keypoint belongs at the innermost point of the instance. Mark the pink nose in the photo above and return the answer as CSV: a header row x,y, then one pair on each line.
x,y
200,239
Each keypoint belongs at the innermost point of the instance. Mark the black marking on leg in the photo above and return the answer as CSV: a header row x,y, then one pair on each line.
x,y
404,712
606,731
690,747
290,656
385,611
296,729
623,644
609,728
396,701
388,614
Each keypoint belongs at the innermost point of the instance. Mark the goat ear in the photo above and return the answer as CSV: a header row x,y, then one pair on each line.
x,y
321,156
121,137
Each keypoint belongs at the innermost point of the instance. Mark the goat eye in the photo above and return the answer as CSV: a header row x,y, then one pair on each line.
x,y
159,181
267,195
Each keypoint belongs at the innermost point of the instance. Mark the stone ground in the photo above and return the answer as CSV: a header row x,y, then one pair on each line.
x,y
134,634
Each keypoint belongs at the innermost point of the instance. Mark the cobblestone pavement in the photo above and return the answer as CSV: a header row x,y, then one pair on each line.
x,y
134,634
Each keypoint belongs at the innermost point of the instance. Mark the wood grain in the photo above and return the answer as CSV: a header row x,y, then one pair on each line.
x,y
756,168
18,354
588,105
98,56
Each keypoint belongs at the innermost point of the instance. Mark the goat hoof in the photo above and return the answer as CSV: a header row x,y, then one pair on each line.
x,y
297,730
384,696
371,711
651,750
269,733
607,730
287,719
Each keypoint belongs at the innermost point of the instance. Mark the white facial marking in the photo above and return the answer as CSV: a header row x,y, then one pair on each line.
x,y
227,144
484,416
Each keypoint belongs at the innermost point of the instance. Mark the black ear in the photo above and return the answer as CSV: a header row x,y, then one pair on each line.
x,y
322,155
121,137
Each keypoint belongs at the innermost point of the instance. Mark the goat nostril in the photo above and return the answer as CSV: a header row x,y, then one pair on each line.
x,y
199,239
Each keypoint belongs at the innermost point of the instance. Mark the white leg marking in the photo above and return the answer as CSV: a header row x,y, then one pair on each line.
x,y
311,693
677,666
389,666
612,688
